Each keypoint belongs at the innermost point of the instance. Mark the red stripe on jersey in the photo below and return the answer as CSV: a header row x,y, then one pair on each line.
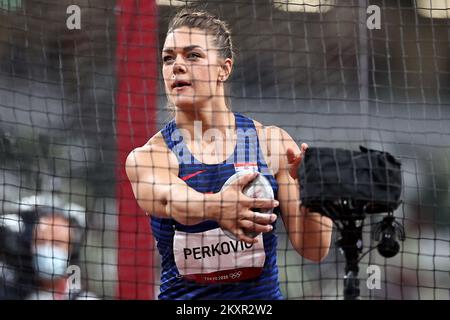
x,y
192,175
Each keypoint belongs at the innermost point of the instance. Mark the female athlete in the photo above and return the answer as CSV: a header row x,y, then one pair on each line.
x,y
178,178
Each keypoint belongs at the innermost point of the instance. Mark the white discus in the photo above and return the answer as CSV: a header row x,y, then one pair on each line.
x,y
258,188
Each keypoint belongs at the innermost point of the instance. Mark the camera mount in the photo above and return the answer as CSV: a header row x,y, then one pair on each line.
x,y
346,186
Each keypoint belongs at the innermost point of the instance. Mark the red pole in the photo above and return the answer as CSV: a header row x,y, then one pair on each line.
x,y
135,124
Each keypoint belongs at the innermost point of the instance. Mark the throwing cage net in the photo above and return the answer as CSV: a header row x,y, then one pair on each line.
x,y
81,86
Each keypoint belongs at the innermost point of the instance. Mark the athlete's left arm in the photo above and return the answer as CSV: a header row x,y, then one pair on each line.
x,y
309,232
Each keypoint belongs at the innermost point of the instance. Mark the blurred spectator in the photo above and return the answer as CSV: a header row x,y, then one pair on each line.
x,y
15,260
51,238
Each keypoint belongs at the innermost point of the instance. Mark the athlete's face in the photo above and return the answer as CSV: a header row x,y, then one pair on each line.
x,y
191,67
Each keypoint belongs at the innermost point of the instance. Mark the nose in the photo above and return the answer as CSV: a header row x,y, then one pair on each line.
x,y
178,65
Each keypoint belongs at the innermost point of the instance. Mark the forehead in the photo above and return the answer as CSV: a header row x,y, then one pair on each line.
x,y
52,227
185,37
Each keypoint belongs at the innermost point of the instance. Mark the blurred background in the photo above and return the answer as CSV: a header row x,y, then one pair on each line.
x,y
73,103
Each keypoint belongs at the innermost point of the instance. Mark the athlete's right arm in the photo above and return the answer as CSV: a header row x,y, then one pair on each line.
x,y
160,192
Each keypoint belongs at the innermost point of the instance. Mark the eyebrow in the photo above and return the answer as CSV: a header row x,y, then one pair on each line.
x,y
185,49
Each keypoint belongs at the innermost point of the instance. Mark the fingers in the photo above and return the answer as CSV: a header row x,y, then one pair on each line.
x,y
295,160
260,203
245,179
259,218
254,222
243,237
304,147
290,155
240,235
255,227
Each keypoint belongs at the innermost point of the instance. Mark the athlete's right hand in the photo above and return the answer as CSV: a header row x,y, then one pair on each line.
x,y
235,214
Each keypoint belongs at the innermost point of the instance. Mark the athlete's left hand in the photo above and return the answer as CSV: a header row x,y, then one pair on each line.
x,y
294,160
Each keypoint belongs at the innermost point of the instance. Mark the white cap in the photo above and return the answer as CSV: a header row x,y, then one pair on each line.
x,y
69,209
13,222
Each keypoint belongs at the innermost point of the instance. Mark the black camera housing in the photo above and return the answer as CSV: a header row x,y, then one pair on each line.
x,y
342,182
346,185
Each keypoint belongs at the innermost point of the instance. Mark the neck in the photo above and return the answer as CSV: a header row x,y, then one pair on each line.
x,y
212,116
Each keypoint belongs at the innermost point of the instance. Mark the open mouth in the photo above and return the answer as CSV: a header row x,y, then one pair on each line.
x,y
180,84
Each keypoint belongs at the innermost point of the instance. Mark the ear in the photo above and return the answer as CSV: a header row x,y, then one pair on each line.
x,y
225,70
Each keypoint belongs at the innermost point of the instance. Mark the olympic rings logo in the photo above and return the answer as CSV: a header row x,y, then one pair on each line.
x,y
235,275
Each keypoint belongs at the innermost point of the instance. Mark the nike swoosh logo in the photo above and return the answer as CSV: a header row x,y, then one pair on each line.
x,y
192,175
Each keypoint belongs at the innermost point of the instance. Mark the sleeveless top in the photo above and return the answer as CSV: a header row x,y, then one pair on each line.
x,y
200,261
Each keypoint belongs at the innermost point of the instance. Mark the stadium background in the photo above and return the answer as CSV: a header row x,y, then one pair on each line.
x,y
73,103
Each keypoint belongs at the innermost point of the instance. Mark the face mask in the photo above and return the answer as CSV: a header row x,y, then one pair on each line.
x,y
50,261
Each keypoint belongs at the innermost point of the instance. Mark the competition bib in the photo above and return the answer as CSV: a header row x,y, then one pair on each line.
x,y
213,257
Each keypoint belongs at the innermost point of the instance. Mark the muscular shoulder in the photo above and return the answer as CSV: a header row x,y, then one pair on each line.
x,y
274,142
153,155
277,139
